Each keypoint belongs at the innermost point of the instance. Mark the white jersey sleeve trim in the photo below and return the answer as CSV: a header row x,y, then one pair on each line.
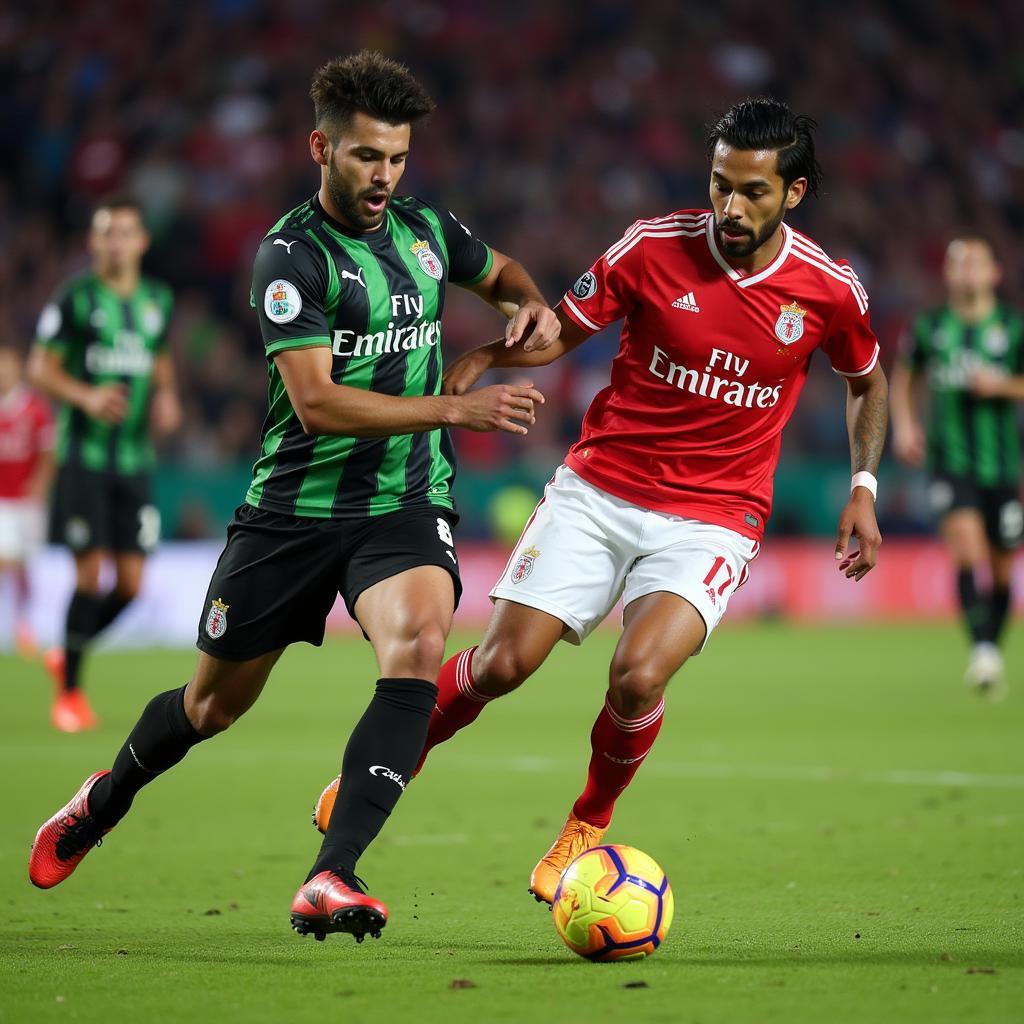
x,y
578,314
861,373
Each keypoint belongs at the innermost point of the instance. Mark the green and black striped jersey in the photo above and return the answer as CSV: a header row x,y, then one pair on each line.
x,y
978,438
104,338
376,299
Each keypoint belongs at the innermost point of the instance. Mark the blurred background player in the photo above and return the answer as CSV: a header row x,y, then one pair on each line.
x,y
100,354
969,356
26,468
664,499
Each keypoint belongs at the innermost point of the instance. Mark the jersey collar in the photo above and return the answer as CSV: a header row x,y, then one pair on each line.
x,y
746,280
379,232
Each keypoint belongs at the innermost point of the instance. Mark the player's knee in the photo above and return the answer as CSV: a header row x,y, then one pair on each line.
x,y
422,652
500,668
636,687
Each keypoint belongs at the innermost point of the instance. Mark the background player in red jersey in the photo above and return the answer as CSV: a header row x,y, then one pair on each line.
x,y
26,466
663,500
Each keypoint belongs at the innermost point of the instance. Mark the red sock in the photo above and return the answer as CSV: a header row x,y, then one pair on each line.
x,y
620,746
458,702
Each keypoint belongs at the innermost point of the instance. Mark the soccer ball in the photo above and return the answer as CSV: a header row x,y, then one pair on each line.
x,y
613,903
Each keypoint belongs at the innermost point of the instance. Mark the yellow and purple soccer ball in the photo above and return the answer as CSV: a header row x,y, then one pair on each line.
x,y
613,903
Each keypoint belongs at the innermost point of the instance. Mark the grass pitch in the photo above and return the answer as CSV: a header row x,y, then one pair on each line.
x,y
842,823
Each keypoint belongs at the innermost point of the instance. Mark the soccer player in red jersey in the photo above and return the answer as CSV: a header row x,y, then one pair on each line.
x,y
663,500
26,466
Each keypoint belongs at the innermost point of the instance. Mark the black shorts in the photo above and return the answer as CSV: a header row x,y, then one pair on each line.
x,y
99,509
1000,507
278,575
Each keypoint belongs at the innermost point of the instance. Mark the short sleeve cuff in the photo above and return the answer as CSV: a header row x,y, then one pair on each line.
x,y
864,370
578,316
484,271
281,344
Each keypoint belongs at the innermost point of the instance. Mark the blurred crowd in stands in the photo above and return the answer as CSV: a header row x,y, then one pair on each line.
x,y
557,125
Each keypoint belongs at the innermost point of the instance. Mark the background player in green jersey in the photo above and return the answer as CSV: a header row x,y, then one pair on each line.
x,y
970,355
352,491
101,353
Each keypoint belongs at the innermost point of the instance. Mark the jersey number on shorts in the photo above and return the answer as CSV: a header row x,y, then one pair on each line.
x,y
716,567
444,531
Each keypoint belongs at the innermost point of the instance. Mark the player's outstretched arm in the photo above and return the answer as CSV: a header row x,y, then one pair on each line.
x,y
867,414
106,402
985,383
511,290
465,371
326,408
907,433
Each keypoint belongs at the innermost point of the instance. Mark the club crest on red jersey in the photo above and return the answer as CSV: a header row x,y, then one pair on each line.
x,y
217,619
524,566
429,263
790,325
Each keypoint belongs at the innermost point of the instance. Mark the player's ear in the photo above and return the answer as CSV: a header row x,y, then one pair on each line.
x,y
796,191
319,147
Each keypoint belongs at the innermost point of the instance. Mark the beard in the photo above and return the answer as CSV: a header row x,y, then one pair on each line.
x,y
347,202
740,250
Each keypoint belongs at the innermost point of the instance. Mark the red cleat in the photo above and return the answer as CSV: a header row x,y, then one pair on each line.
x,y
63,841
331,902
71,712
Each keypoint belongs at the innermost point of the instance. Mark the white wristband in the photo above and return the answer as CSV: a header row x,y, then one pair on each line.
x,y
865,479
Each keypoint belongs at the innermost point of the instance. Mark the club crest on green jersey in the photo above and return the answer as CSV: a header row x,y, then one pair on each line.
x,y
429,263
282,302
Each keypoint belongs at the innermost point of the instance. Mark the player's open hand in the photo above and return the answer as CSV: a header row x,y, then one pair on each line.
x,y
535,325
508,407
858,520
107,403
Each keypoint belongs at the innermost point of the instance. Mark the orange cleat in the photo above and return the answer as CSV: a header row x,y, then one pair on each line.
x,y
331,902
63,841
71,712
53,662
325,804
575,837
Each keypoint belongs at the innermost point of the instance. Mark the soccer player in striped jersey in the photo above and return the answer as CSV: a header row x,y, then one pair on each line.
x,y
969,356
101,354
663,500
352,490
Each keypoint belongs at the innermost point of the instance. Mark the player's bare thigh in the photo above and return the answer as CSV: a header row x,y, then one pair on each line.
x,y
221,691
660,631
963,532
515,644
128,567
407,618
87,570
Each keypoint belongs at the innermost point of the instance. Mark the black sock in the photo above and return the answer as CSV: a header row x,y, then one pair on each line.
x,y
972,606
379,760
110,606
80,629
160,739
998,612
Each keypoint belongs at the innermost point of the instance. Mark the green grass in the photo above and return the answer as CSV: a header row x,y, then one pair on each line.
x,y
826,866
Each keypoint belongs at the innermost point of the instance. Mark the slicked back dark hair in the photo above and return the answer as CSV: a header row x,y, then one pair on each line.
x,y
369,82
766,123
120,201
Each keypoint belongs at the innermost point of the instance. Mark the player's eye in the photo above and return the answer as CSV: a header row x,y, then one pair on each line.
x,y
398,160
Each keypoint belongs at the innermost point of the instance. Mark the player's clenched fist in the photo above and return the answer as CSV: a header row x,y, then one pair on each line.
x,y
535,324
506,407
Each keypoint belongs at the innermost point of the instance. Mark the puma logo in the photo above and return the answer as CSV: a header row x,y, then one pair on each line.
x,y
287,245
354,277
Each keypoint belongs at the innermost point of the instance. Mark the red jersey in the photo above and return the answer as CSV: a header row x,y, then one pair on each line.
x,y
710,365
26,431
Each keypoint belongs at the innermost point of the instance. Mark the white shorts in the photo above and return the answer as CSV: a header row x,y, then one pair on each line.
x,y
583,549
21,529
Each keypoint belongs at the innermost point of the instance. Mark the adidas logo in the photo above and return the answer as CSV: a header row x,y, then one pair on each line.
x,y
687,302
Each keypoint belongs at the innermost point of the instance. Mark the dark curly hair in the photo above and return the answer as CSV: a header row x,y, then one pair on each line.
x,y
766,123
369,82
